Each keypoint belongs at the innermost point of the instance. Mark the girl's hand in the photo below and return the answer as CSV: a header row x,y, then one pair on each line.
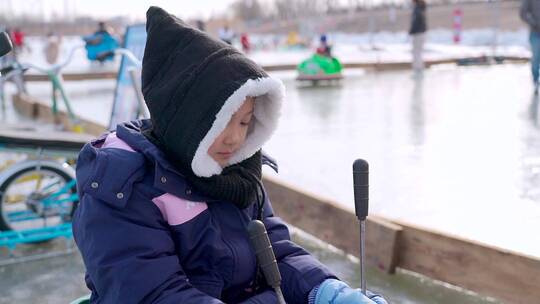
x,y
333,291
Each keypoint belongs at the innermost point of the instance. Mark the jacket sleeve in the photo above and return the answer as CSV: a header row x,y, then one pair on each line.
x,y
525,13
129,254
300,271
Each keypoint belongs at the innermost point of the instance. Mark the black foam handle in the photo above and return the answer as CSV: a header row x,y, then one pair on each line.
x,y
264,252
361,188
5,44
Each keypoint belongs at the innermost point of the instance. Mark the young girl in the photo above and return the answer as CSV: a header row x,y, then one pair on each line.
x,y
164,203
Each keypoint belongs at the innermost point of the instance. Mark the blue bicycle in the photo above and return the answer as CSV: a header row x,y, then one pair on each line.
x,y
38,195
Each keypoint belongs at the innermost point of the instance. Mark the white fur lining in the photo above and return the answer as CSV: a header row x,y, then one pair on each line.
x,y
270,93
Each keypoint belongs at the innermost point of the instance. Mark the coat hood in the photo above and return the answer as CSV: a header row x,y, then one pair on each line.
x,y
193,84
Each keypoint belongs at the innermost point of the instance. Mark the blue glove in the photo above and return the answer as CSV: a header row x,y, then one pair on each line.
x,y
333,291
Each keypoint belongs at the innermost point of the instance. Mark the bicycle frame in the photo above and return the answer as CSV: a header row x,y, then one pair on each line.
x,y
142,110
54,73
55,199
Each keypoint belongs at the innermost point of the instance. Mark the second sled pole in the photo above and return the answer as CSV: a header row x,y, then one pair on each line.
x,y
361,198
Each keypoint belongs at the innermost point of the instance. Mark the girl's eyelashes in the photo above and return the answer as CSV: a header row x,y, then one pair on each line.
x,y
246,122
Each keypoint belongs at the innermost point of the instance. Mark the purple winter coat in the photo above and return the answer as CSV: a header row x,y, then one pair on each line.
x,y
147,237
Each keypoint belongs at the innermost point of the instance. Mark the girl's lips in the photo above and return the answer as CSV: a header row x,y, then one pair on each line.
x,y
225,154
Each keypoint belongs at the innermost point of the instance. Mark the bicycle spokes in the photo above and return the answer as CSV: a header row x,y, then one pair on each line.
x,y
38,198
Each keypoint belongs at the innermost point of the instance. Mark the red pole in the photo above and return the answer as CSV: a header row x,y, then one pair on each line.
x,y
458,20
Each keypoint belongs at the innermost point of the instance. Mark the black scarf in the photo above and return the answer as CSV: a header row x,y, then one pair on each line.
x,y
236,184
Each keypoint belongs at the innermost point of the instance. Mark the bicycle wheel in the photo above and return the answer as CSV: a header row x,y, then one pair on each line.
x,y
32,198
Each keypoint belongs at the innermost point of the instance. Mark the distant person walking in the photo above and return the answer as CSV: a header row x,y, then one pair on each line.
x,y
226,34
530,13
52,48
417,32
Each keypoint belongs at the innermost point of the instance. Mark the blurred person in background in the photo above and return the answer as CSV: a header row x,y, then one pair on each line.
x,y
51,49
226,34
18,40
324,48
201,26
100,46
530,13
417,32
244,40
102,31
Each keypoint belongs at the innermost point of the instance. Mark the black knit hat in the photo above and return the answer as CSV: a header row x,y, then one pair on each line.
x,y
193,84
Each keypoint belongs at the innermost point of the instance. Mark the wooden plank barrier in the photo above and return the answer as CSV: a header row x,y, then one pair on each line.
x,y
33,108
508,276
71,76
377,66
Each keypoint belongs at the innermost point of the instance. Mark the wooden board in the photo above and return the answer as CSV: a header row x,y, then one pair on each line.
x,y
30,107
13,136
73,76
487,270
378,66
335,225
321,77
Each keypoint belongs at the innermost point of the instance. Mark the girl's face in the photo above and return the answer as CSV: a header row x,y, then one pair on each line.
x,y
234,135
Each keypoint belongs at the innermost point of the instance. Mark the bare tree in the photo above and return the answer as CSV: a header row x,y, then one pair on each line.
x,y
248,10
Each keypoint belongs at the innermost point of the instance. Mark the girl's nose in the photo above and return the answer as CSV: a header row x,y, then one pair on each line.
x,y
233,137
